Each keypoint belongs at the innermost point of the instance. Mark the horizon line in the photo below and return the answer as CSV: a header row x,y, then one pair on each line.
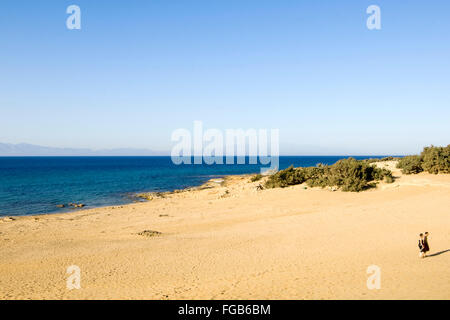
x,y
155,156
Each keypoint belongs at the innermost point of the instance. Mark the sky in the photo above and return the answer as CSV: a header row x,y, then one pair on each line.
x,y
138,70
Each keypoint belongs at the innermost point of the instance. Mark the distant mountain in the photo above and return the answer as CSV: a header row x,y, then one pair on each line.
x,y
24,149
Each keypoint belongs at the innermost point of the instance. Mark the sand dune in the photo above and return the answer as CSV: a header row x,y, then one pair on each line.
x,y
232,241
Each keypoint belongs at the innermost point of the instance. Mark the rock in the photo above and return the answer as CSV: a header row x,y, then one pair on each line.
x,y
146,196
226,194
152,195
60,205
77,205
149,233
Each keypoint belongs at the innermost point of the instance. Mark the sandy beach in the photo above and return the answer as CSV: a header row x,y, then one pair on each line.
x,y
228,240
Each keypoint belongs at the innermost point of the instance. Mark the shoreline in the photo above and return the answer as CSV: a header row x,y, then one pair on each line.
x,y
140,196
47,198
136,195
161,194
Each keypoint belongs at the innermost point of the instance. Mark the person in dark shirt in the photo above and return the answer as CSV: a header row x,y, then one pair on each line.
x,y
426,247
421,246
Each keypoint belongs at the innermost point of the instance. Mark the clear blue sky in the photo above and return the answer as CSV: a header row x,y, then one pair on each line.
x,y
137,70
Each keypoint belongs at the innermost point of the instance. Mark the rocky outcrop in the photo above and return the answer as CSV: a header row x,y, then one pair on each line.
x,y
149,233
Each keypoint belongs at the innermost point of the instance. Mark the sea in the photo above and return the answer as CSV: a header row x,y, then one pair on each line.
x,y
36,185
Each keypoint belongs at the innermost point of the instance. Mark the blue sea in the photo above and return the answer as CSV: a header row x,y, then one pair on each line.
x,y
33,185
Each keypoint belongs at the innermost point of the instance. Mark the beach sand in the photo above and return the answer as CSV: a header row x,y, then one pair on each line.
x,y
291,243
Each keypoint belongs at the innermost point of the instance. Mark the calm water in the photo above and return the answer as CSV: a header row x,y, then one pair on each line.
x,y
30,185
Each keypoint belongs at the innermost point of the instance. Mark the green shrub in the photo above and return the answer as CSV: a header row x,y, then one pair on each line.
x,y
357,175
317,176
353,175
382,173
284,178
256,177
436,159
347,174
432,159
410,164
373,160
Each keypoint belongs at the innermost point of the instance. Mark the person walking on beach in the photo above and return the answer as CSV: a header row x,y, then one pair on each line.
x,y
421,246
426,247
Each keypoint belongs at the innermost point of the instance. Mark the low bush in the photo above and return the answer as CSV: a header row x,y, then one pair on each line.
x,y
373,160
256,177
284,178
353,175
347,174
436,159
357,175
432,159
410,164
